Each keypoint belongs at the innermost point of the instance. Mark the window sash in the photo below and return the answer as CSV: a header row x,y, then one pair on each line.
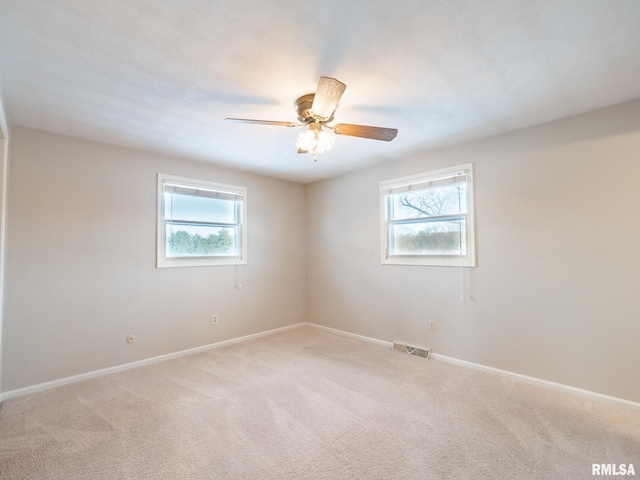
x,y
231,252
429,237
235,254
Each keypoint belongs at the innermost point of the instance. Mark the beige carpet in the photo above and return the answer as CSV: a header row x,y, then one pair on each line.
x,y
306,404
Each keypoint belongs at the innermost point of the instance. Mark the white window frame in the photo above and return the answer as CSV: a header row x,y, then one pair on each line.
x,y
162,260
406,183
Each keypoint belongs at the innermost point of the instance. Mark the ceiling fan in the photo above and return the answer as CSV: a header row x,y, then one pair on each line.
x,y
315,111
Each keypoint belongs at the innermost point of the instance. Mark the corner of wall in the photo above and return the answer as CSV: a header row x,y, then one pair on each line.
x,y
4,160
306,255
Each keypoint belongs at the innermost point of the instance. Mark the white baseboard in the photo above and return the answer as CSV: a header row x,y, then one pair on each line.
x,y
127,366
351,335
598,397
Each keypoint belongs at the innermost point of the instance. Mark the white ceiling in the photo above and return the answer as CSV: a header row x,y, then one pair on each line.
x,y
163,74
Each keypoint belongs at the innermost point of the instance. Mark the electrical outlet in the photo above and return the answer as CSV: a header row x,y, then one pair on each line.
x,y
432,326
214,319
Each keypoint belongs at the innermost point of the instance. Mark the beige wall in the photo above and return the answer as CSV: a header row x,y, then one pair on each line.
x,y
555,293
553,296
81,270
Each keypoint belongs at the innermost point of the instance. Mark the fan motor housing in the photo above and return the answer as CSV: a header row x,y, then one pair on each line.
x,y
303,108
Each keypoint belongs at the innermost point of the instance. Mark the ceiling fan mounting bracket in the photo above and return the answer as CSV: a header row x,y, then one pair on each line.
x,y
303,108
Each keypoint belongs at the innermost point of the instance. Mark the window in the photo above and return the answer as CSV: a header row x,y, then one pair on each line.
x,y
200,223
427,219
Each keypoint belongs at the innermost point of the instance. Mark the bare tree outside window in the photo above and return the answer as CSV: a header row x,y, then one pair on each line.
x,y
442,229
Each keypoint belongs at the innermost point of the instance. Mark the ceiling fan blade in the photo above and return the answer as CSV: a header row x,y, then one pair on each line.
x,y
302,150
263,122
363,131
327,97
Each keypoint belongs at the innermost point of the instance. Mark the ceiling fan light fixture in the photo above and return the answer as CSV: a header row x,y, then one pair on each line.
x,y
315,111
326,98
315,139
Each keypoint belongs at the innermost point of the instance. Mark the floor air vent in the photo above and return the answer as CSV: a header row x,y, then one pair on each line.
x,y
411,349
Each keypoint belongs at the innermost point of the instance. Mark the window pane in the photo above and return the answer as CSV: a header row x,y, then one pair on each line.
x,y
430,202
201,241
198,209
428,238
